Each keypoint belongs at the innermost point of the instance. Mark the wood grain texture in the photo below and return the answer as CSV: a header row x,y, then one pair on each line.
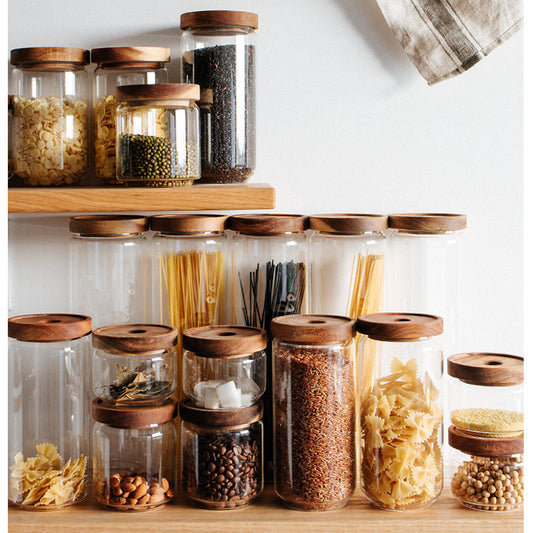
x,y
487,369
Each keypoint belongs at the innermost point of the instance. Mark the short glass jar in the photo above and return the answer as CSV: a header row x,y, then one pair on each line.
x,y
134,455
134,364
158,134
221,455
50,115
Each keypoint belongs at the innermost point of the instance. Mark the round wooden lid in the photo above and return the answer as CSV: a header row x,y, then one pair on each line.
x,y
48,327
267,224
427,222
313,329
158,91
137,417
130,54
185,224
489,369
108,225
399,327
224,341
348,223
135,339
195,19
485,446
49,54
220,418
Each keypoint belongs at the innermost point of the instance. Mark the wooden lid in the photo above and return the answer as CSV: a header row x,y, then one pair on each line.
x,y
224,341
489,369
220,418
130,54
185,224
195,19
313,329
137,417
48,327
485,446
347,223
108,225
427,222
135,339
49,54
158,91
399,327
267,224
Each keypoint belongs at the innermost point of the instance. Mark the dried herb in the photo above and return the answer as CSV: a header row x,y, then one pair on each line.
x,y
138,385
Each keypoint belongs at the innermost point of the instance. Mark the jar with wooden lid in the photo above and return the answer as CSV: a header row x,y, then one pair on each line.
x,y
134,455
218,53
400,380
50,115
486,394
122,65
158,134
48,410
109,268
221,455
314,411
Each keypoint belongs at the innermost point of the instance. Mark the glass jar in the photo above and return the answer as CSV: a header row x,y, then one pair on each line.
x,y
218,53
487,398
50,115
314,411
48,410
123,65
221,455
158,134
400,379
134,459
488,472
134,364
109,268
224,367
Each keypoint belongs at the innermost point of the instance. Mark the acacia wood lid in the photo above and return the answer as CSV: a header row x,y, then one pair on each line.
x,y
427,222
490,369
158,91
185,224
313,329
485,446
267,224
224,341
135,339
130,54
220,418
49,54
219,18
348,223
137,417
48,327
108,225
399,327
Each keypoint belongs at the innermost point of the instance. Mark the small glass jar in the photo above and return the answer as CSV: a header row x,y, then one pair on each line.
x,y
158,134
488,472
224,367
109,268
400,379
218,53
487,398
314,411
123,65
134,455
134,364
50,115
48,410
221,455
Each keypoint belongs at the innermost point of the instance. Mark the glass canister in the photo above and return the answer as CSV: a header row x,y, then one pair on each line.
x,y
224,367
50,115
134,459
109,268
158,134
400,380
123,65
48,410
218,53
314,411
134,364
221,455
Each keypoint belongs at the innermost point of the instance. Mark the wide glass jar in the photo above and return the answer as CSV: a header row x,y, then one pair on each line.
x,y
123,65
158,134
400,380
48,410
50,115
134,455
218,53
314,411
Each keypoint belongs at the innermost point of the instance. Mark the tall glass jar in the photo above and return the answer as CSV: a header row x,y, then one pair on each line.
x,y
218,53
50,115
123,65
314,410
109,268
400,380
48,410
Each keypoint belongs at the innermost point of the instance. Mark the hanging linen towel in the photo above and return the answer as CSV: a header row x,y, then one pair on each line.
x,y
446,37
